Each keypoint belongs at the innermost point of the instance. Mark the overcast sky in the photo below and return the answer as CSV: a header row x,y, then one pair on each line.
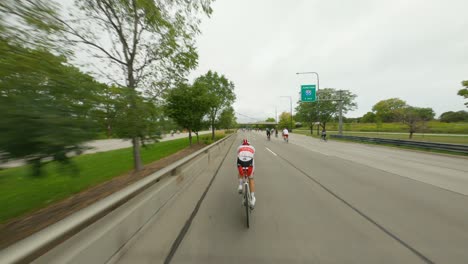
x,y
416,50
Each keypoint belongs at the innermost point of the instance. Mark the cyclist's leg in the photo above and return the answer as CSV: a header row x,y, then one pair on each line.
x,y
250,173
240,175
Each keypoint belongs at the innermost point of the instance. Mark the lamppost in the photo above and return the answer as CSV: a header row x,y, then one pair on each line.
x,y
316,73
290,105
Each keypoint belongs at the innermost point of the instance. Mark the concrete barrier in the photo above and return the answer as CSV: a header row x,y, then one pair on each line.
x,y
94,234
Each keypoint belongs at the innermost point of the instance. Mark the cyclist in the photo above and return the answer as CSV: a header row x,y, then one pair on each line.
x,y
285,134
268,132
245,158
276,132
324,134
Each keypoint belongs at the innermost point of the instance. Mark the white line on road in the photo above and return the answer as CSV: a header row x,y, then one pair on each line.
x,y
271,151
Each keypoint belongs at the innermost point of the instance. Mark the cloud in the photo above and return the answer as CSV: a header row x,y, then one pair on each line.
x,y
415,50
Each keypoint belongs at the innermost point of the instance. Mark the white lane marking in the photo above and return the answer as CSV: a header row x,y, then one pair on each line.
x,y
271,151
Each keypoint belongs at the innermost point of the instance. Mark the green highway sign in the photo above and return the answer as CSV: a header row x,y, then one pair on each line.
x,y
308,93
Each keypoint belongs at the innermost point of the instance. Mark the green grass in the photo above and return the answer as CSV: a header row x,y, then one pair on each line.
x,y
21,193
431,127
439,139
416,137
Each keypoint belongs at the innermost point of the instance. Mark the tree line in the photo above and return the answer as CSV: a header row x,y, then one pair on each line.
x,y
326,109
141,51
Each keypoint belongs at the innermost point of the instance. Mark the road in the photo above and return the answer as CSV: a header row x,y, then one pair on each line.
x,y
319,202
104,145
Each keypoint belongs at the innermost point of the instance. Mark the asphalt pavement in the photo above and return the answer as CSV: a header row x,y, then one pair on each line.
x,y
318,202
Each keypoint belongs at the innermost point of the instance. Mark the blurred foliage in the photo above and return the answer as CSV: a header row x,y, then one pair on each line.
x,y
285,121
147,46
227,118
450,117
369,117
46,106
30,23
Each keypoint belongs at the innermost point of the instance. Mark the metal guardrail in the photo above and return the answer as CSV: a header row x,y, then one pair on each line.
x,y
407,143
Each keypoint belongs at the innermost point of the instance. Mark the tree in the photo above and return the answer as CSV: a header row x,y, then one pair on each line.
x,y
411,116
227,118
270,119
46,106
135,120
220,93
327,107
111,104
389,110
307,114
369,117
187,105
450,116
285,120
30,23
151,45
464,91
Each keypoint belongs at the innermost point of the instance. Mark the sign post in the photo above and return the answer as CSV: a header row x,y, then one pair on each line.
x,y
308,93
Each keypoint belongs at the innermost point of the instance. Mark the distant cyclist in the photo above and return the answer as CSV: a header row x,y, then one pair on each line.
x,y
268,132
324,134
285,134
245,159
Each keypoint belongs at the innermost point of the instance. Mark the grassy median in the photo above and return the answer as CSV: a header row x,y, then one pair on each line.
x,y
21,193
430,127
452,139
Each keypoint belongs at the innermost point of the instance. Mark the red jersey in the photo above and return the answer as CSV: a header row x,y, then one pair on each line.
x,y
245,152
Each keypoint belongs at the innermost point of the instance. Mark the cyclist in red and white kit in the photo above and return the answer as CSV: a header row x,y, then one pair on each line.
x,y
245,159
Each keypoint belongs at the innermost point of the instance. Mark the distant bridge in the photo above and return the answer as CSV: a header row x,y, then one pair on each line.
x,y
257,123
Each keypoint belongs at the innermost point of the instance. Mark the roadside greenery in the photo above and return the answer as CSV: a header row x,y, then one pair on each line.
x,y
220,95
433,126
464,91
211,96
152,48
137,49
452,139
326,108
285,121
20,193
46,106
187,105
227,118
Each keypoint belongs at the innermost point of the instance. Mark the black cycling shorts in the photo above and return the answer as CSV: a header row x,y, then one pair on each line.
x,y
244,164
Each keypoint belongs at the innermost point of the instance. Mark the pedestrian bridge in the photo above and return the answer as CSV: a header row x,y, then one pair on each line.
x,y
257,123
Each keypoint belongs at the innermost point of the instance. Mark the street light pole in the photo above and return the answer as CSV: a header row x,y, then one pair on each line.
x,y
316,73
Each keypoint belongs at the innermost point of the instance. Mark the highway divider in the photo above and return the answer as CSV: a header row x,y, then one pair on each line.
x,y
97,232
463,149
